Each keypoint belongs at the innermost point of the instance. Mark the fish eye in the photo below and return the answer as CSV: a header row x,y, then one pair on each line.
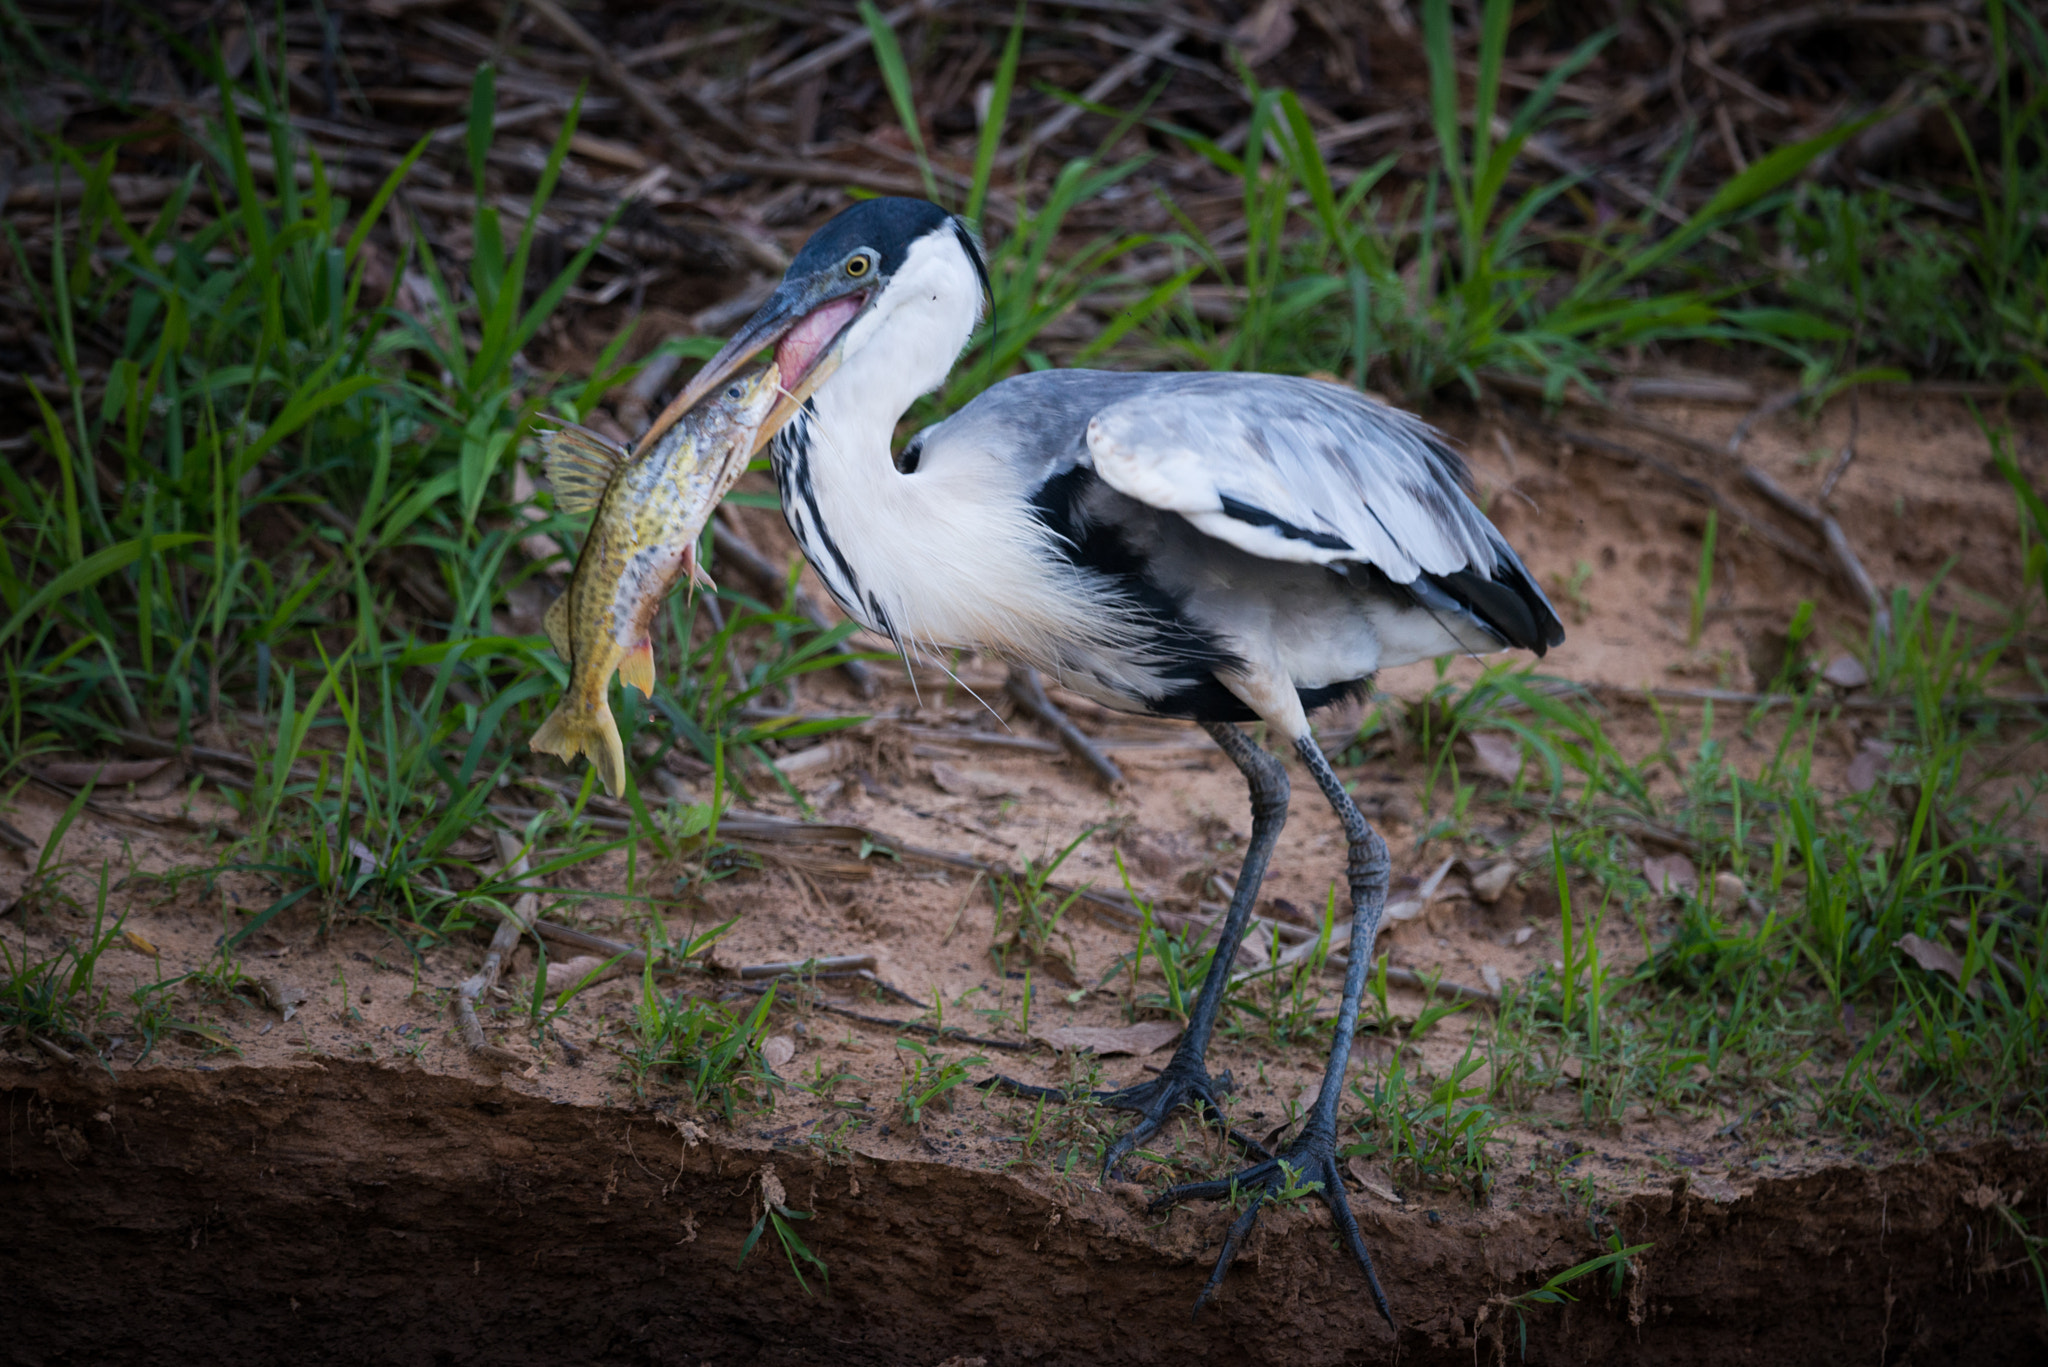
x,y
735,391
857,267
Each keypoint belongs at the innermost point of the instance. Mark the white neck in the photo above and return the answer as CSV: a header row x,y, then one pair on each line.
x,y
951,554
904,347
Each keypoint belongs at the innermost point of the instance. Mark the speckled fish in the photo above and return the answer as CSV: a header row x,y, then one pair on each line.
x,y
650,510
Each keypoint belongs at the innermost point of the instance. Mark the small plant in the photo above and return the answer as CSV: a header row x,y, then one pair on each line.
x,y
713,1047
1703,583
929,1079
1553,1292
776,1215
1442,1137
1288,995
1028,915
57,999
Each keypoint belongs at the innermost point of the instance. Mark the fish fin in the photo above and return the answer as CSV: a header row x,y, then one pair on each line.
x,y
696,571
571,730
555,621
636,669
580,466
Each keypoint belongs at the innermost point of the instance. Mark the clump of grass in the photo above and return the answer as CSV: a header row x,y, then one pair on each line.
x,y
1327,285
930,1079
308,529
1440,1134
1616,1262
1810,1005
711,1048
776,1215
58,1000
1028,914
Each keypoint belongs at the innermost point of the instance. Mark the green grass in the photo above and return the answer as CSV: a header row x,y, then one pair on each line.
x,y
1807,1007
268,498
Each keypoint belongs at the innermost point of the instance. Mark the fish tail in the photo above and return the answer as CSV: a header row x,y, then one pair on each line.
x,y
578,728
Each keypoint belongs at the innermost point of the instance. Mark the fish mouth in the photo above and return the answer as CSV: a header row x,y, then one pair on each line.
x,y
807,333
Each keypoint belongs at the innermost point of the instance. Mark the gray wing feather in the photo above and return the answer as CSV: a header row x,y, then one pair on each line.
x,y
1293,469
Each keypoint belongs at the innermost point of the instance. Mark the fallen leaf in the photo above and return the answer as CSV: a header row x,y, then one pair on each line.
x,y
1932,955
1499,755
1868,765
1522,935
282,993
1489,886
138,944
778,1050
1146,1037
1412,906
1265,32
1363,1176
102,772
569,972
1846,672
972,782
1490,975
1671,876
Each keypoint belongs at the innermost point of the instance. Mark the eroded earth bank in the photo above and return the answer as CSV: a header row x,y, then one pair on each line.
x,y
349,1212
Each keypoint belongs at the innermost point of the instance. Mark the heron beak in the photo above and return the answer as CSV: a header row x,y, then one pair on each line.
x,y
799,319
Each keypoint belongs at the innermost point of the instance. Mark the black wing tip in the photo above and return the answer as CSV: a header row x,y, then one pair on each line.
x,y
1509,604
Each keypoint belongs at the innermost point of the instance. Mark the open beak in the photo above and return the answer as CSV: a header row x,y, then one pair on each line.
x,y
804,324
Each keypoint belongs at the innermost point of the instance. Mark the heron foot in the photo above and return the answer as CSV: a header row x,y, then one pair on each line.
x,y
1183,1082
1307,1165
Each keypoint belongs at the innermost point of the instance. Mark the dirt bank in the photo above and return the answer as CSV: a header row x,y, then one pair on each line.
x,y
348,1212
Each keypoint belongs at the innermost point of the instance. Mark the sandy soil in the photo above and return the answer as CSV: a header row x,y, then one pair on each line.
x,y
318,1183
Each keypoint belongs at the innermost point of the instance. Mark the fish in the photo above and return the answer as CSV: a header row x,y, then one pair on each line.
x,y
649,511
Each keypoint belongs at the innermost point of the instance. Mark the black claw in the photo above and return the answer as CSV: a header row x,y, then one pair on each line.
x,y
1028,1091
1155,1102
1310,1157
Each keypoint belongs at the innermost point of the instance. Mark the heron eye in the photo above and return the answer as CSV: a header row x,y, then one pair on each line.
x,y
857,267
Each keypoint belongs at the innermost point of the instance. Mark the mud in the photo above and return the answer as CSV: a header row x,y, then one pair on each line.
x,y
343,1212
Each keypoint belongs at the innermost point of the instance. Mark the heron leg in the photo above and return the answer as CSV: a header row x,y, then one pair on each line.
x,y
1185,1080
1311,1158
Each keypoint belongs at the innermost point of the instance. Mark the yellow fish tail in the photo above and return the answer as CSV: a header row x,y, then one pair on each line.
x,y
574,728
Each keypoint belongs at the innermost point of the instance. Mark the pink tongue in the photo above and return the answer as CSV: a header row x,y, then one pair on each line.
x,y
798,351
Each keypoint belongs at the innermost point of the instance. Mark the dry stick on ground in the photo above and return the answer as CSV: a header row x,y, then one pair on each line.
x,y
1848,454
1699,489
759,568
845,45
1108,83
1023,686
701,156
1846,558
503,942
1831,532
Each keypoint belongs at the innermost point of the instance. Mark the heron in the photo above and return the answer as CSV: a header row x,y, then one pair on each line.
x,y
1223,548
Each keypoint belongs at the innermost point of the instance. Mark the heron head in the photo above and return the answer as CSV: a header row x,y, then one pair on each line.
x,y
859,270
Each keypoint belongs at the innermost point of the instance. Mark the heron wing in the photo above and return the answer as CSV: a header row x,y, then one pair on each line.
x,y
1293,469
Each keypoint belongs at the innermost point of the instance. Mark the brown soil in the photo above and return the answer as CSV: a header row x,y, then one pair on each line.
x,y
350,1212
348,1184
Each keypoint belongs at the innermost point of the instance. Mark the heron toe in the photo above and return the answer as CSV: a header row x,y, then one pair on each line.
x,y
1183,1082
1307,1164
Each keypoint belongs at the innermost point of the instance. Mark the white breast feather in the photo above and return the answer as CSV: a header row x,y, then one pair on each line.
x,y
952,553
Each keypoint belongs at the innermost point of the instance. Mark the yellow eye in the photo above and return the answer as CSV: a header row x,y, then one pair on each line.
x,y
857,267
